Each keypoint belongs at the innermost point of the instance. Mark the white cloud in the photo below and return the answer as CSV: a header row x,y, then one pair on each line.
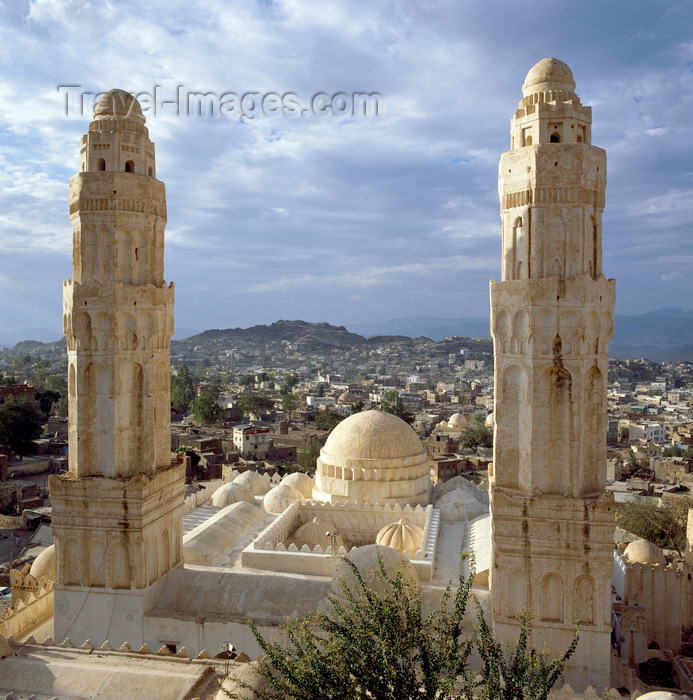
x,y
323,209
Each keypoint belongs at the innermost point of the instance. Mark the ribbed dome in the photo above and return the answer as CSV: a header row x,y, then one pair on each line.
x,y
118,103
643,552
372,435
401,536
315,533
549,74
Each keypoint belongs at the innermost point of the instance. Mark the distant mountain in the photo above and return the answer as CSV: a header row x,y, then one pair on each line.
x,y
662,335
298,333
665,334
43,335
428,326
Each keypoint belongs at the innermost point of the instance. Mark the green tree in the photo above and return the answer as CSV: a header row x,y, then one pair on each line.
x,y
205,409
307,456
631,465
291,403
392,403
519,673
216,387
327,419
38,378
182,390
370,645
676,451
193,454
357,407
320,391
20,423
57,383
478,418
247,380
255,404
290,381
46,400
663,524
475,435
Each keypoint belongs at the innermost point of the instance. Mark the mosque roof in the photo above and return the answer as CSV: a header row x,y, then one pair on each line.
x,y
549,74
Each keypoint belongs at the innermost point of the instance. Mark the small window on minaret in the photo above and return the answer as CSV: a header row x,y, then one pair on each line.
x,y
129,167
150,171
555,137
101,165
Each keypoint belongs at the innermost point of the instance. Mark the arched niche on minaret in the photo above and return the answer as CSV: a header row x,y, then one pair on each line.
x,y
510,442
593,432
557,390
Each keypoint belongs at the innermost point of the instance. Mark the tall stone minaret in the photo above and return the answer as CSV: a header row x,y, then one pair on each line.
x,y
117,513
552,317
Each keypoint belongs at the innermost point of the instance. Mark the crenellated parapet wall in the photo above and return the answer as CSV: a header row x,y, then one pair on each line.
x,y
28,612
24,584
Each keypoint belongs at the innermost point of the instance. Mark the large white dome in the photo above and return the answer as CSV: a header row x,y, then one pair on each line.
x,y
373,457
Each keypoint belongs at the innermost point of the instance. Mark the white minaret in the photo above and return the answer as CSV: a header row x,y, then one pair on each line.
x,y
552,317
117,514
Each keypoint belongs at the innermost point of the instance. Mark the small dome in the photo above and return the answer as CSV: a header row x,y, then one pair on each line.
x,y
643,552
279,498
232,493
315,533
257,483
118,103
459,482
346,397
459,505
245,683
457,420
366,561
301,482
489,420
401,536
548,74
44,564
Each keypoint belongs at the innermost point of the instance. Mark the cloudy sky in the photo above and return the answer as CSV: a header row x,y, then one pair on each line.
x,y
333,217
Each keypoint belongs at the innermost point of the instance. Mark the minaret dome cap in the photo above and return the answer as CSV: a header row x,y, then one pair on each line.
x,y
118,103
548,74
